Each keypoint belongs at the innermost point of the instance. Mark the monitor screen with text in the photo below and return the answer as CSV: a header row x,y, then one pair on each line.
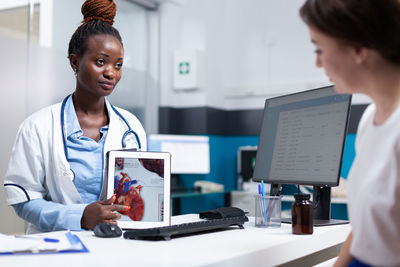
x,y
302,138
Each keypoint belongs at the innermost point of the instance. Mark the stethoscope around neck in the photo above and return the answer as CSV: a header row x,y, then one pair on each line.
x,y
123,143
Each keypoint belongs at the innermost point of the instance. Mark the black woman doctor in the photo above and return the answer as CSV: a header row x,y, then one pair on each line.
x,y
55,175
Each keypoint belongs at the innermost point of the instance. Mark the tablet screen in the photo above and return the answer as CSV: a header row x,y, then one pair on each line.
x,y
140,181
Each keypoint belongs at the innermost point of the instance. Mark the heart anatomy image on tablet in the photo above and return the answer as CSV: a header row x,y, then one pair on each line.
x,y
139,184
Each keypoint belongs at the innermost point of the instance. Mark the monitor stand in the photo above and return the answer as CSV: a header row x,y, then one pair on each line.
x,y
322,208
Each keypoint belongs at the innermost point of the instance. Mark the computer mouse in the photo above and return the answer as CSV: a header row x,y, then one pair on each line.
x,y
107,230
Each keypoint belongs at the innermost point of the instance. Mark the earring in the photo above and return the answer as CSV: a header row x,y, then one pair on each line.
x,y
76,73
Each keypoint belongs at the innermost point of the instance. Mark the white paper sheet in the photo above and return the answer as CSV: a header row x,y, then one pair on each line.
x,y
55,241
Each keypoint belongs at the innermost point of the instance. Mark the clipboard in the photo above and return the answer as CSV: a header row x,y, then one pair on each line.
x,y
37,244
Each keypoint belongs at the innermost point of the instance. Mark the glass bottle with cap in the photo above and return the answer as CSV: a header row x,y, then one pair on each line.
x,y
302,215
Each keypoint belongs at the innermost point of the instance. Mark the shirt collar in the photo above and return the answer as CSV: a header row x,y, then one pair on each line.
x,y
72,123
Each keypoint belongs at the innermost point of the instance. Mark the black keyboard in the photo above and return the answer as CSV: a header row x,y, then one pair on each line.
x,y
166,232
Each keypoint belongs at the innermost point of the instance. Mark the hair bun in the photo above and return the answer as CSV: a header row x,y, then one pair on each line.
x,y
104,10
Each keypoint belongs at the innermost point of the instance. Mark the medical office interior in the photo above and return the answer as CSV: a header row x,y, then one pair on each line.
x,y
198,68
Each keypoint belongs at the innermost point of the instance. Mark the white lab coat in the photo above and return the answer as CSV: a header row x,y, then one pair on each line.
x,y
38,167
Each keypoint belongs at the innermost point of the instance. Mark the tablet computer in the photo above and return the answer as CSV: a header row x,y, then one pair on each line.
x,y
140,180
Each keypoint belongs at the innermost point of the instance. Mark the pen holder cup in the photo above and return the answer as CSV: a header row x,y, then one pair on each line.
x,y
268,211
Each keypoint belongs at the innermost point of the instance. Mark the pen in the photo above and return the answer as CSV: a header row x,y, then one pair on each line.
x,y
262,195
52,240
262,187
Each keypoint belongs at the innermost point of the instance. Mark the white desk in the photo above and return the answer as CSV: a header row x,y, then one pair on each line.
x,y
247,247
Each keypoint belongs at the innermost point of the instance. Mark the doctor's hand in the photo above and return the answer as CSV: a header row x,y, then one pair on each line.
x,y
101,211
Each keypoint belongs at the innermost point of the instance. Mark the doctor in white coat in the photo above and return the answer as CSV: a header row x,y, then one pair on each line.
x,y
55,178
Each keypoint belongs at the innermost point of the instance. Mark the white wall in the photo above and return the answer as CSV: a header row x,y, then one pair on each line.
x,y
13,109
253,49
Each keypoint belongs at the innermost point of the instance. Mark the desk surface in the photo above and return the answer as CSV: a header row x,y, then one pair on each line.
x,y
237,247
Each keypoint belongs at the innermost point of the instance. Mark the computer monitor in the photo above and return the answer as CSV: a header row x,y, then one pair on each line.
x,y
301,142
190,154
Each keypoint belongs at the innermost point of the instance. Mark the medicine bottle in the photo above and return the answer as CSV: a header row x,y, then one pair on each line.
x,y
302,215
